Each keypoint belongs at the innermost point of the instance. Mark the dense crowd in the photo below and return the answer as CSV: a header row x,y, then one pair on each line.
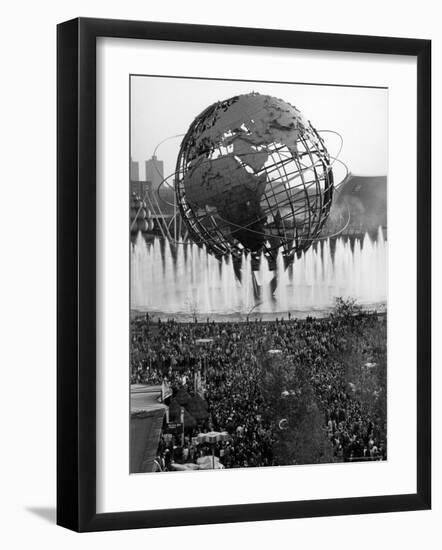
x,y
232,370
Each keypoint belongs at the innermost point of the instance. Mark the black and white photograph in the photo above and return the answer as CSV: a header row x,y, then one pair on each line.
x,y
258,274
220,323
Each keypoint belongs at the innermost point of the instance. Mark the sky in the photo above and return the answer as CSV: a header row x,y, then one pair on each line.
x,y
165,107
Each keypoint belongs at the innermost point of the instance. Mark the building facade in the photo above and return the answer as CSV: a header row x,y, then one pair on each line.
x,y
154,172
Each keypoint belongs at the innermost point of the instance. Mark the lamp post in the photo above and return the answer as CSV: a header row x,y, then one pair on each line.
x,y
212,438
182,426
205,343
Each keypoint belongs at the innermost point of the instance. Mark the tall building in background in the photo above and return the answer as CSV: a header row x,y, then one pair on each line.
x,y
137,185
134,170
154,172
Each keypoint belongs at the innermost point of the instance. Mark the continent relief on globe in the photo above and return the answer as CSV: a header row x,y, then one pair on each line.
x,y
257,119
225,188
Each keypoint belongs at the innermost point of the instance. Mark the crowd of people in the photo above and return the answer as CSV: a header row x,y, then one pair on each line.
x,y
229,358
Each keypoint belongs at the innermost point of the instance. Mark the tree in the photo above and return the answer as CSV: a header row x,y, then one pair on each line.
x,y
345,308
290,396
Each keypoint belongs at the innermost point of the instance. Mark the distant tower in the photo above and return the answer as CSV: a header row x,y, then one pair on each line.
x,y
134,170
154,172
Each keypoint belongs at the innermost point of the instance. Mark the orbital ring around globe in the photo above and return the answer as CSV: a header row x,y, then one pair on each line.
x,y
334,158
165,182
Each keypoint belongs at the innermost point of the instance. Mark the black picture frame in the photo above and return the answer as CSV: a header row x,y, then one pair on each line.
x,y
76,274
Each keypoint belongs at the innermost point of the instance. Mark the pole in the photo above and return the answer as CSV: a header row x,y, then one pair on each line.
x,y
174,218
182,424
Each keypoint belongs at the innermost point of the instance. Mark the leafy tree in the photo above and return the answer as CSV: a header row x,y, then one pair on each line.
x,y
290,397
345,308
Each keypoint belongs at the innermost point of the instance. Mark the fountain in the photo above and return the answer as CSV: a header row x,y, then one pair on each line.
x,y
192,282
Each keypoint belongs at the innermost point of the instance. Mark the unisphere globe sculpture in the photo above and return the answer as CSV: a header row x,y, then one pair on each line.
x,y
253,176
